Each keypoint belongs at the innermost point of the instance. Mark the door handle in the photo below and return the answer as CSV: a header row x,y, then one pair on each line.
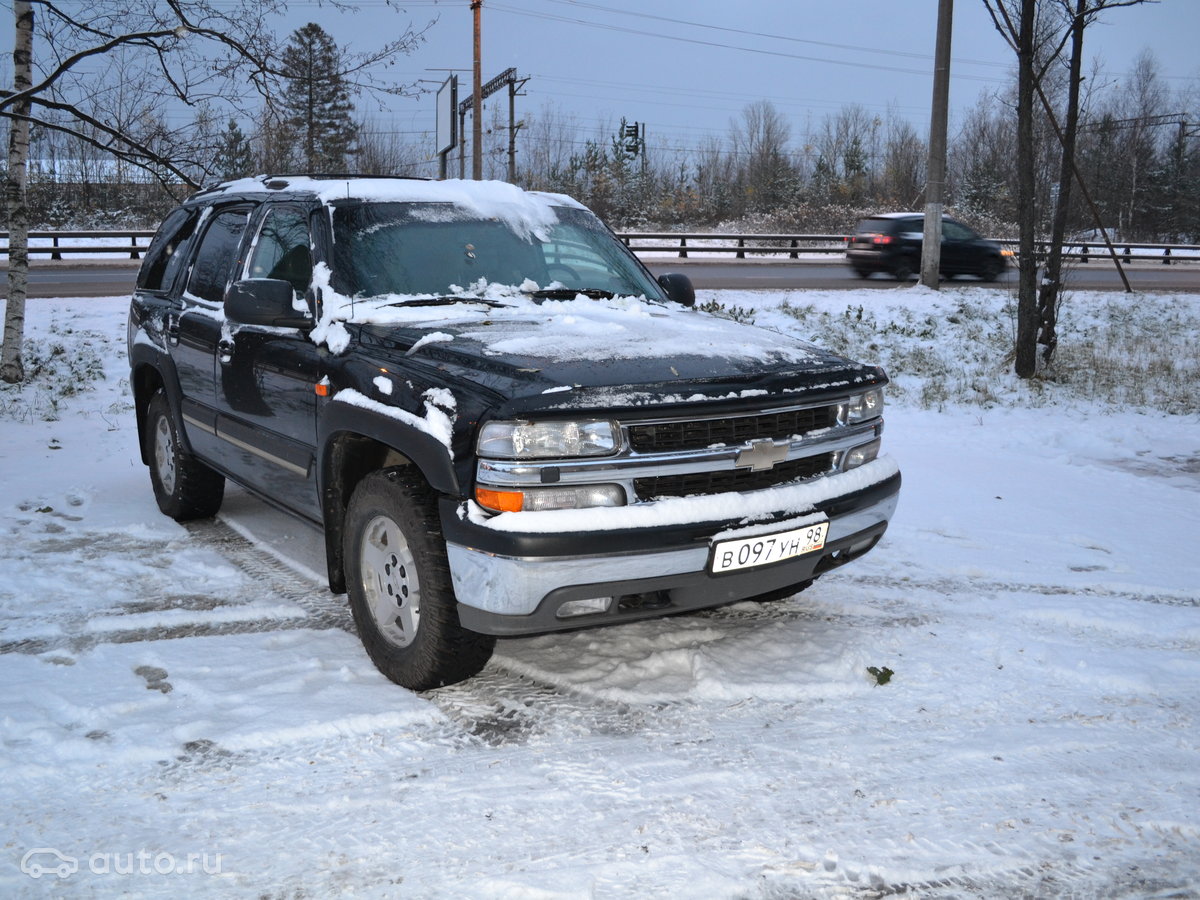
x,y
172,329
225,351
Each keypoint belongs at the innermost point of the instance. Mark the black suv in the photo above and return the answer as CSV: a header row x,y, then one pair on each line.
x,y
502,422
892,243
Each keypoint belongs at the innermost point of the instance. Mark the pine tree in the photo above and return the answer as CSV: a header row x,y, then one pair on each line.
x,y
316,102
235,159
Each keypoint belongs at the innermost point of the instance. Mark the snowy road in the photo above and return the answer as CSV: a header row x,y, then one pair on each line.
x,y
187,712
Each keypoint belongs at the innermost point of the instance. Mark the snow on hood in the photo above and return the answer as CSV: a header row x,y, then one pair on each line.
x,y
506,321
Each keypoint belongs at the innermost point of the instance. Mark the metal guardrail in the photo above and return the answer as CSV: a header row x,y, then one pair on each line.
x,y
740,246
134,243
793,245
56,248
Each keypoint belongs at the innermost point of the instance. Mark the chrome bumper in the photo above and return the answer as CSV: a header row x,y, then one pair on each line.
x,y
499,585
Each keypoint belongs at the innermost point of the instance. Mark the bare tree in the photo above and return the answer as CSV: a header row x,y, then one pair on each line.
x,y
903,177
383,152
211,55
846,153
1018,26
1039,41
1079,13
760,140
982,174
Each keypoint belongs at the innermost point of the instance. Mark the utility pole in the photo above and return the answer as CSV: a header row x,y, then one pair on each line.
x,y
477,96
935,182
512,132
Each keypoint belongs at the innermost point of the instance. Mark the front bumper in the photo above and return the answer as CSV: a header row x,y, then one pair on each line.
x,y
512,582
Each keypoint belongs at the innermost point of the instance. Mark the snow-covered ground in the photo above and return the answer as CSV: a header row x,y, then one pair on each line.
x,y
186,711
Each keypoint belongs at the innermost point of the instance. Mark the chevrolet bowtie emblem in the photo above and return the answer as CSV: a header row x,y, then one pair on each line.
x,y
761,456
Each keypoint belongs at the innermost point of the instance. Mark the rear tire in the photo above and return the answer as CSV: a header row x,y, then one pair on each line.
x,y
903,270
184,487
400,590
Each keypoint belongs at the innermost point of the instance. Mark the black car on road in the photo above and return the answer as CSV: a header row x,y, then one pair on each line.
x,y
891,243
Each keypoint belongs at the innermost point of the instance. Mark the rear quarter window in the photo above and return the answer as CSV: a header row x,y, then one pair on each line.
x,y
164,257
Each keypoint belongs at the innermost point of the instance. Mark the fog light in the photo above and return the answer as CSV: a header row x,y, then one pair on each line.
x,y
860,455
587,607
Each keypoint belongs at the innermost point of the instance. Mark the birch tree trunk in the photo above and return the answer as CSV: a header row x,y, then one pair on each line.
x,y
11,368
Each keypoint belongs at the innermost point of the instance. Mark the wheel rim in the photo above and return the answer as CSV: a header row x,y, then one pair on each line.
x,y
390,582
164,454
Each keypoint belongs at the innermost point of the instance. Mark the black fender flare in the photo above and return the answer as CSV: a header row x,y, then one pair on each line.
x,y
148,365
353,440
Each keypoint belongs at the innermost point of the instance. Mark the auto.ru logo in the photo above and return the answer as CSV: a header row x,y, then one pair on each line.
x,y
48,861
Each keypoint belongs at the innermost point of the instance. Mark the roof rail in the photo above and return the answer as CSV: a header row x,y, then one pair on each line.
x,y
281,181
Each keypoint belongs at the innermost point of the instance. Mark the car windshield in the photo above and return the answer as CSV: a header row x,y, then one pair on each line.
x,y
439,249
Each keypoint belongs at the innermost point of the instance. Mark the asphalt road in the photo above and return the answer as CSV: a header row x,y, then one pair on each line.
x,y
103,280
762,275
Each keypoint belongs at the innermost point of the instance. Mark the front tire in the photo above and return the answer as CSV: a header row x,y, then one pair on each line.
x,y
991,269
399,583
184,487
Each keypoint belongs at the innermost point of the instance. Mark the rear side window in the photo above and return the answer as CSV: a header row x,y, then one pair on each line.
x,y
953,231
218,254
164,258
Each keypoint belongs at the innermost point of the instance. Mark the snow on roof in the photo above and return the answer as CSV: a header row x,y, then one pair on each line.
x,y
526,212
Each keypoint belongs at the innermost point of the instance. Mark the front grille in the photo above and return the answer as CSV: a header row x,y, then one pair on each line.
x,y
732,480
697,434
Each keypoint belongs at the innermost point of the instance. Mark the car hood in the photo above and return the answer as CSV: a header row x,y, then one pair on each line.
x,y
608,354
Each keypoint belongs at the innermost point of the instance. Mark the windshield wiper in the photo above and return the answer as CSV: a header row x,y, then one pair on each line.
x,y
447,301
569,293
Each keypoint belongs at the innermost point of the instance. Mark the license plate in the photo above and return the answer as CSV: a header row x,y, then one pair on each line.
x,y
746,553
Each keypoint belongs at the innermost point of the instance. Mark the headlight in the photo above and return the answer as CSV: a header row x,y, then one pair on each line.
x,y
543,498
861,407
547,440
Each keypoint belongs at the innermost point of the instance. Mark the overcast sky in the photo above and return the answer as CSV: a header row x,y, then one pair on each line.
x,y
686,67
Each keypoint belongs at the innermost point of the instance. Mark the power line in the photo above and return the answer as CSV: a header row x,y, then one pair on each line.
x,y
779,37
761,51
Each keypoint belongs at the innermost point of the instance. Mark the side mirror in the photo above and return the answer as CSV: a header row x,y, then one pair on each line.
x,y
264,301
679,288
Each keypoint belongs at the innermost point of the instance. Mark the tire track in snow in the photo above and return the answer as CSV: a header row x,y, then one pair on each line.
x,y
949,586
497,707
323,609
214,614
500,707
